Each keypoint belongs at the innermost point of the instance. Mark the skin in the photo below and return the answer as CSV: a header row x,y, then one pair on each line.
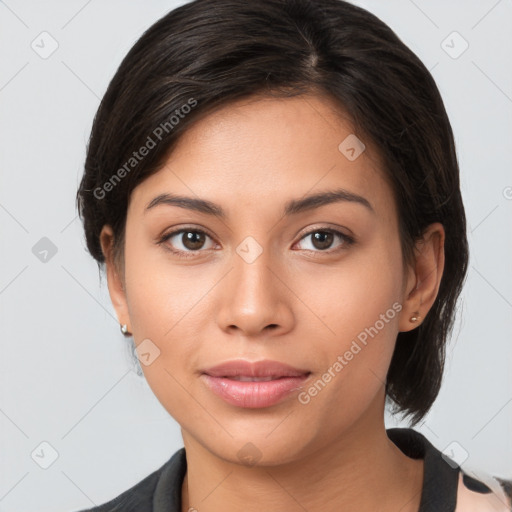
x,y
251,157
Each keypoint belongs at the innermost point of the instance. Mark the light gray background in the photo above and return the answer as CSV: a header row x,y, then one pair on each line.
x,y
66,376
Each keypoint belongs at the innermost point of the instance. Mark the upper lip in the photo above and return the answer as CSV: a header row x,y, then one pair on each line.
x,y
265,368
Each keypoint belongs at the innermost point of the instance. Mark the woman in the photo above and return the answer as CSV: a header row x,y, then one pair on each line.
x,y
273,189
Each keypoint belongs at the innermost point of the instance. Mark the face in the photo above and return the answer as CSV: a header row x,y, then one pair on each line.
x,y
319,286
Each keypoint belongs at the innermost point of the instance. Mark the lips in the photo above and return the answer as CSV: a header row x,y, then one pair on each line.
x,y
258,369
254,384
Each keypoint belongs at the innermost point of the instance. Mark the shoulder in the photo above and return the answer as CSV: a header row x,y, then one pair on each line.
x,y
480,496
137,498
162,485
446,484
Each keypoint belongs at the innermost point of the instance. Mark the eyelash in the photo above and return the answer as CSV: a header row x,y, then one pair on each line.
x,y
347,240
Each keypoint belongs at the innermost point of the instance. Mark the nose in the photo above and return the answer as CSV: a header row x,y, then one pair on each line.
x,y
255,300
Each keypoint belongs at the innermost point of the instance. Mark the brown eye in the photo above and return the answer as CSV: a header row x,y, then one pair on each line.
x,y
193,240
323,239
186,242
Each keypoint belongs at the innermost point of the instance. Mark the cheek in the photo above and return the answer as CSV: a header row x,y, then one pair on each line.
x,y
160,293
169,305
352,295
354,361
359,305
162,310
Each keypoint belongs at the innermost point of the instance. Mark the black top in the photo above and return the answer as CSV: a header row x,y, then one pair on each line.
x,y
161,490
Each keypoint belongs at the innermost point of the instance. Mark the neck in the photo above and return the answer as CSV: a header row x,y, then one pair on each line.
x,y
361,469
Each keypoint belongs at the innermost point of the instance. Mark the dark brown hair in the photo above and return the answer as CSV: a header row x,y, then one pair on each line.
x,y
205,54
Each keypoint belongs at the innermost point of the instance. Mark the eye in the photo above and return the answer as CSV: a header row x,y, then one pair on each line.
x,y
186,240
322,239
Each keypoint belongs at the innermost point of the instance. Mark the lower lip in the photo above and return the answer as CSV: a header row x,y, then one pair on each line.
x,y
253,394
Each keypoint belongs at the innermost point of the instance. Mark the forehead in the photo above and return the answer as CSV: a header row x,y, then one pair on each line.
x,y
260,152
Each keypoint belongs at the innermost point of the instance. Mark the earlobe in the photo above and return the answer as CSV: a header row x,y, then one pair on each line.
x,y
424,278
115,281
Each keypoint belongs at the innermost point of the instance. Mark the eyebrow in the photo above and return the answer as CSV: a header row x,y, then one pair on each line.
x,y
293,207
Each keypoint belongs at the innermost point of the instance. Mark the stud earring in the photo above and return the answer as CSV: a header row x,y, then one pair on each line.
x,y
415,318
124,329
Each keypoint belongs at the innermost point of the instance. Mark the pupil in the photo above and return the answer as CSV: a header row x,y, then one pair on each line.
x,y
324,239
193,240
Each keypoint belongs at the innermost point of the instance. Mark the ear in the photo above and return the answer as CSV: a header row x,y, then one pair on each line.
x,y
424,277
115,281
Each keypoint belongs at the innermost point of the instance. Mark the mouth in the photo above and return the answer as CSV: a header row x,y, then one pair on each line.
x,y
254,384
246,378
